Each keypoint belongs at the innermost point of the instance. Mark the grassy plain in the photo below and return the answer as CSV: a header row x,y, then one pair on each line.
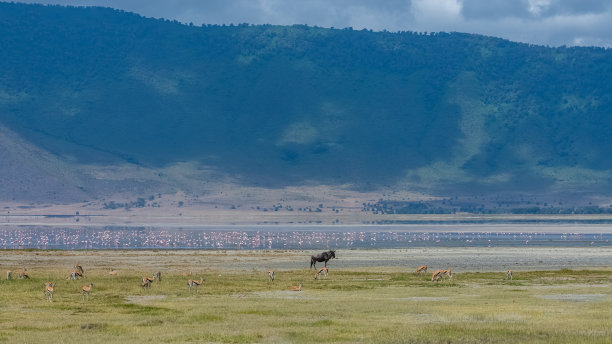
x,y
375,304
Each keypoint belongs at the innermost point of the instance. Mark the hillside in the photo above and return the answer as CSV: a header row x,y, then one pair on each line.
x,y
94,89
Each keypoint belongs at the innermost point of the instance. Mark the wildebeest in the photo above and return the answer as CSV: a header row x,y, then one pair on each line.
x,y
323,257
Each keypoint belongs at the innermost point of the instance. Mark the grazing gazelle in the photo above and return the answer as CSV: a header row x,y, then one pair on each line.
x,y
271,275
86,290
21,273
157,276
509,274
294,288
439,274
448,273
112,272
192,283
323,271
49,288
422,268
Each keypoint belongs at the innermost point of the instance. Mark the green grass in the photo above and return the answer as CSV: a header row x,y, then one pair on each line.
x,y
349,306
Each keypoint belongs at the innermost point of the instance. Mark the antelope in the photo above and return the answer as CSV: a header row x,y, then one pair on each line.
x,y
509,274
148,280
157,276
195,283
187,274
294,288
49,288
86,290
449,273
439,274
112,272
20,274
271,275
422,268
74,275
79,268
146,284
323,271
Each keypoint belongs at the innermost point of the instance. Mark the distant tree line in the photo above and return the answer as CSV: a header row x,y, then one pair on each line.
x,y
420,207
139,203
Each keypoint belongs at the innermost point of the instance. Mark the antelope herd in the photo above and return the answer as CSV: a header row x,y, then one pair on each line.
x,y
78,272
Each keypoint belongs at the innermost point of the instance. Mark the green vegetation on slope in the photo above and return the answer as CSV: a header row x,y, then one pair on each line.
x,y
286,104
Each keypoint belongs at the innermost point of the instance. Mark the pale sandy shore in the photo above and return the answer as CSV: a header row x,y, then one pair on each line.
x,y
76,216
423,225
475,259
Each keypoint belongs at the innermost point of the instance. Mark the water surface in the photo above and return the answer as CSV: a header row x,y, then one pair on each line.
x,y
302,237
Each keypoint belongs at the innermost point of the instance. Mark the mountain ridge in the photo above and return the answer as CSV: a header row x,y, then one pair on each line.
x,y
276,106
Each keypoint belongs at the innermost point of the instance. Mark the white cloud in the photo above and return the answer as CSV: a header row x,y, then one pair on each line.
x,y
437,9
536,7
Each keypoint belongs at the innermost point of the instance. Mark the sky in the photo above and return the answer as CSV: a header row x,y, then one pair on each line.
x,y
542,22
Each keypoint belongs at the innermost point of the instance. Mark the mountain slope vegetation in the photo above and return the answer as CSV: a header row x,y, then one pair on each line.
x,y
288,105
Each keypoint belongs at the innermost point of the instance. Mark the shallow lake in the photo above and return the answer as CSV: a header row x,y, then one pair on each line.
x,y
304,237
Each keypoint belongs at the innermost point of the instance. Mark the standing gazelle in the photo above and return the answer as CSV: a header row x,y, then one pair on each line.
x,y
148,280
192,283
509,274
86,290
323,271
271,275
49,289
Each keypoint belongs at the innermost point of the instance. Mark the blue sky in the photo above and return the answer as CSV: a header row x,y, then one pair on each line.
x,y
545,22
